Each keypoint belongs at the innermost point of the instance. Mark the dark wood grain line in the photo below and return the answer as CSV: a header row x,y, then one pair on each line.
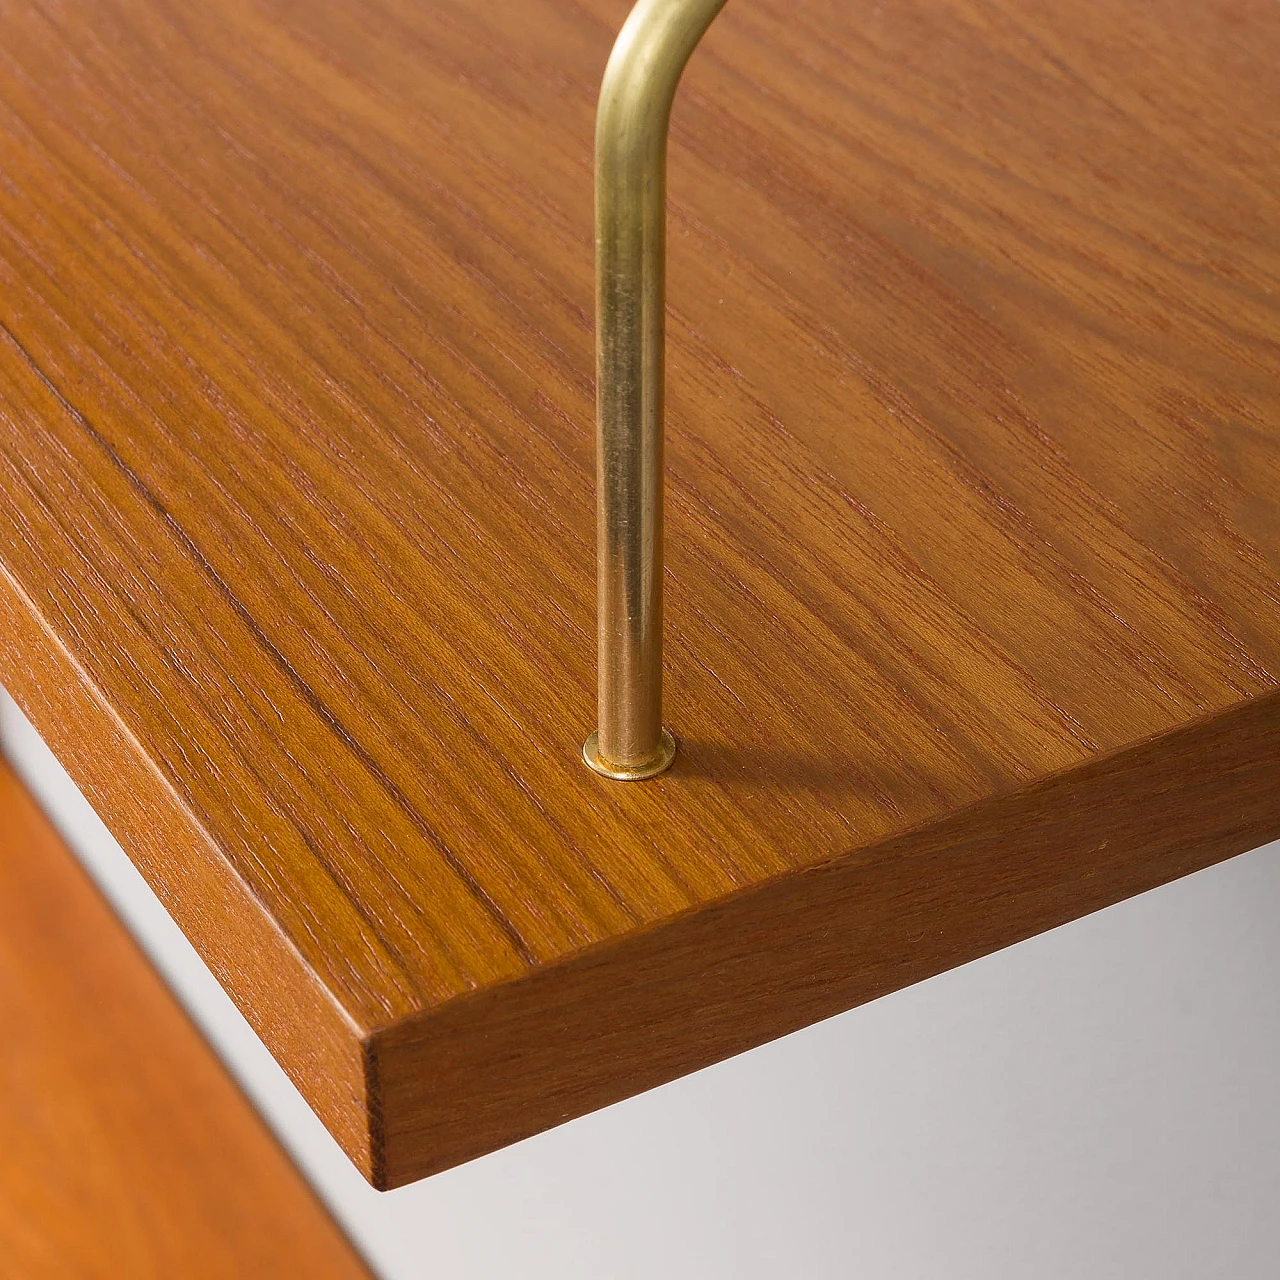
x,y
264,642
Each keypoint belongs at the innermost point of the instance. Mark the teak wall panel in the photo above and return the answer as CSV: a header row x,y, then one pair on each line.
x,y
973,471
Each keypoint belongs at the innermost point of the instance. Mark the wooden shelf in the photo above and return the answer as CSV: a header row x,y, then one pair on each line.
x,y
973,536
128,1151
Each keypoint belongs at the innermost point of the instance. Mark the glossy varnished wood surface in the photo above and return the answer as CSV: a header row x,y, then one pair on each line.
x,y
974,456
126,1152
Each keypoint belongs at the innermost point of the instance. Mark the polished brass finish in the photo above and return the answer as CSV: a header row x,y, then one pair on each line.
x,y
631,213
656,764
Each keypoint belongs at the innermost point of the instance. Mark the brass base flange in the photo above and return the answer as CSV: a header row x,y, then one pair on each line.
x,y
630,773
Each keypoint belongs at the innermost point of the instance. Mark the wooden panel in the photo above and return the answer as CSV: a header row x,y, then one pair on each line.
x,y
126,1152
974,462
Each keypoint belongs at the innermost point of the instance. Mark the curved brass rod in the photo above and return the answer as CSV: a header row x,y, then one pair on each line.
x,y
632,118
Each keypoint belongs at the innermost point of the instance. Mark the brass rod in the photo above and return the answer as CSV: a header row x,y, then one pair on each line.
x,y
632,119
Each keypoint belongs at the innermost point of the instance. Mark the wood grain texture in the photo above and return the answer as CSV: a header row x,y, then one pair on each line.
x,y
974,458
126,1152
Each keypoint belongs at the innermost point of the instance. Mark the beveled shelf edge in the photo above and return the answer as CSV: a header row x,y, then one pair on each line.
x,y
505,1063
312,1038
420,1095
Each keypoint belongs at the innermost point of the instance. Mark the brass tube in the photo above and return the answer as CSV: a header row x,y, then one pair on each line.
x,y
632,119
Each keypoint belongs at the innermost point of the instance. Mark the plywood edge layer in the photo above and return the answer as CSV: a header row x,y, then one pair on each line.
x,y
282,998
510,1062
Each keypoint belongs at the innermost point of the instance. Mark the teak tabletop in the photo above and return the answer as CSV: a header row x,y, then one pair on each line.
x,y
973,537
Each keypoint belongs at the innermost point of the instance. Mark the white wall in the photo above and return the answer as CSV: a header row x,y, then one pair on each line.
x,y
1102,1101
